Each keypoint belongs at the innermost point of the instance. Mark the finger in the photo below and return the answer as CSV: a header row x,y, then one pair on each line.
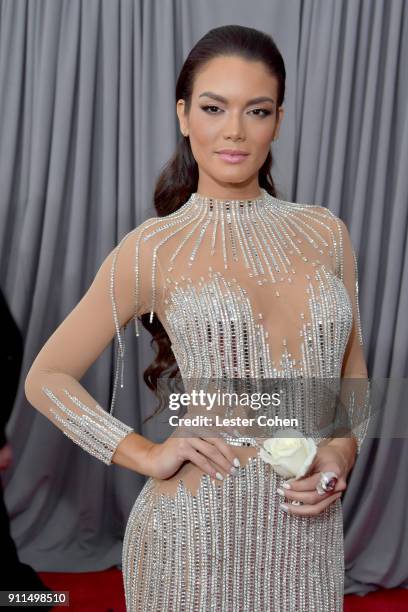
x,y
200,461
302,484
212,452
309,483
311,510
226,449
306,497
310,497
341,485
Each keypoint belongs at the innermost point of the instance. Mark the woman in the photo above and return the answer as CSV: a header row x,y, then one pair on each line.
x,y
233,283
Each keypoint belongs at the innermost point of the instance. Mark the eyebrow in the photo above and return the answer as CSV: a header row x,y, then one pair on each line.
x,y
257,100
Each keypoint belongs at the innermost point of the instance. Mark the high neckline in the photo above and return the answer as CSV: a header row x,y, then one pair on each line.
x,y
209,203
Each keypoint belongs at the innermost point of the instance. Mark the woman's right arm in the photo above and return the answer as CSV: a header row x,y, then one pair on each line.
x,y
52,384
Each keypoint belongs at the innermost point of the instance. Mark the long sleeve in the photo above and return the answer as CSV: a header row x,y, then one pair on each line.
x,y
355,386
119,292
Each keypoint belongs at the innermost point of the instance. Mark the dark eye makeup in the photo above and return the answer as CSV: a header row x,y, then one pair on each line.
x,y
208,106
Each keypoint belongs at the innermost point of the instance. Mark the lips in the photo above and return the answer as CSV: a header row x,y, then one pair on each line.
x,y
232,152
232,156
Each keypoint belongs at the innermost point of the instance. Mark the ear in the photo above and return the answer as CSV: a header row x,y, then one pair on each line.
x,y
181,117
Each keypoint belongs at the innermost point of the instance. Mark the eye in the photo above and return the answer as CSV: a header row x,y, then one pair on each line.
x,y
263,110
205,108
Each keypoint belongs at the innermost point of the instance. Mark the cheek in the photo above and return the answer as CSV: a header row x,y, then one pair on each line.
x,y
262,138
262,134
204,132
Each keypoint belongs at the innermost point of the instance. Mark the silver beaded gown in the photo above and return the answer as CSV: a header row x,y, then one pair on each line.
x,y
257,288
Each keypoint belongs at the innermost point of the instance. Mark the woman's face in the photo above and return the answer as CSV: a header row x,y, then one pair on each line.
x,y
224,115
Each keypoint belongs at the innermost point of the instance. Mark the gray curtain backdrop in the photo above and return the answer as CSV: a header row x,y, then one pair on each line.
x,y
87,118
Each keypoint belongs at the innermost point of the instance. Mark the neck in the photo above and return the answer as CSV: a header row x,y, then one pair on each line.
x,y
209,202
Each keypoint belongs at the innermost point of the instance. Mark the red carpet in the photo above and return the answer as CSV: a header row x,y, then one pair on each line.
x,y
383,600
90,592
103,592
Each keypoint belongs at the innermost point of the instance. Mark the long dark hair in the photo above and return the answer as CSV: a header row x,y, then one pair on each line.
x,y
179,177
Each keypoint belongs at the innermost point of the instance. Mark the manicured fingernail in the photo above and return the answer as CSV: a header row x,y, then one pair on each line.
x,y
284,507
280,491
286,485
237,462
219,476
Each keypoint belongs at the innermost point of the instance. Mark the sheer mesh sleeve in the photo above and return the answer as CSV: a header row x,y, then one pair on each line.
x,y
355,387
119,292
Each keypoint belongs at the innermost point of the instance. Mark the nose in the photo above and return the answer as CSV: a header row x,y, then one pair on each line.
x,y
233,128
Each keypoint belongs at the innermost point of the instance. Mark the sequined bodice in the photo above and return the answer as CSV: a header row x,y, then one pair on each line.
x,y
252,288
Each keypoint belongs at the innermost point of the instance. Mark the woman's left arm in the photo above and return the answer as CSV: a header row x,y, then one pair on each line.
x,y
338,454
354,397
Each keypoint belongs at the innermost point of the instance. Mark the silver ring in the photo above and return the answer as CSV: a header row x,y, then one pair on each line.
x,y
326,483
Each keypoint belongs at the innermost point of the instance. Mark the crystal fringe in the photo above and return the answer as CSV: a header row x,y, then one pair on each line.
x,y
93,430
231,548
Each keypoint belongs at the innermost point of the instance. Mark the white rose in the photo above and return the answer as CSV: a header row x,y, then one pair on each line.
x,y
289,456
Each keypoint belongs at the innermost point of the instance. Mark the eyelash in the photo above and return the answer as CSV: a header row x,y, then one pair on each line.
x,y
264,110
